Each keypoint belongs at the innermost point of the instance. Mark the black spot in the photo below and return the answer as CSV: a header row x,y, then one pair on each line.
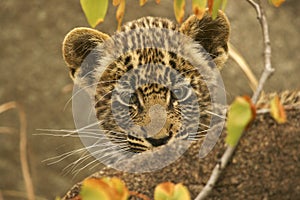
x,y
129,67
131,137
165,24
133,26
172,64
173,55
140,58
140,108
72,71
127,60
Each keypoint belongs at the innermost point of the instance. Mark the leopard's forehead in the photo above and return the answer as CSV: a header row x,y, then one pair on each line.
x,y
137,47
150,22
141,68
145,41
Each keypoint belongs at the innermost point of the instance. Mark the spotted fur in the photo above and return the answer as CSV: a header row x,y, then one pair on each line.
x,y
148,63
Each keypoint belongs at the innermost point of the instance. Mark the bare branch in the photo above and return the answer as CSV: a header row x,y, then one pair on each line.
x,y
17,195
238,58
6,130
268,70
23,146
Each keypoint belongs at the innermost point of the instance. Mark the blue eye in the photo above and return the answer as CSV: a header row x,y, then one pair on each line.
x,y
181,93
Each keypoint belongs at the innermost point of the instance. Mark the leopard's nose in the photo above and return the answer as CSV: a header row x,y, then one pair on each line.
x,y
155,142
158,116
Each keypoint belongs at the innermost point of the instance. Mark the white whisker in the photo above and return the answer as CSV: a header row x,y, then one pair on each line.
x,y
209,112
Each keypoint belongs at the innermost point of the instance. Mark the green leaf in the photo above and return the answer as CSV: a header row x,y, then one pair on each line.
x,y
199,7
163,191
170,191
217,4
240,115
94,10
181,193
224,4
179,6
93,190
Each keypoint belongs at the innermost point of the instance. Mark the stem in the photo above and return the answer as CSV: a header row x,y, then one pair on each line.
x,y
268,70
23,146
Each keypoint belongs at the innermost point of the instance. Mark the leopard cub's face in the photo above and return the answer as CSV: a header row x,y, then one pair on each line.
x,y
146,92
152,103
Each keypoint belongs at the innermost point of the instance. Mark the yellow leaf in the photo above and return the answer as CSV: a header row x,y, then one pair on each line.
x,y
93,189
94,10
105,188
179,6
241,113
277,110
120,13
169,191
142,2
163,191
120,187
199,7
181,193
224,3
116,2
157,1
276,3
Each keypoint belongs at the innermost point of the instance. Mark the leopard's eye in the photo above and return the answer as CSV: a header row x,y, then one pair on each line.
x,y
181,93
133,98
128,98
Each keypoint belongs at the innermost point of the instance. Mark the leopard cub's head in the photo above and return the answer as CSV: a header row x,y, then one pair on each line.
x,y
145,87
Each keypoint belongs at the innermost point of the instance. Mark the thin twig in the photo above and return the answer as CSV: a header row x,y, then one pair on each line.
x,y
6,130
238,58
23,146
268,70
139,195
17,195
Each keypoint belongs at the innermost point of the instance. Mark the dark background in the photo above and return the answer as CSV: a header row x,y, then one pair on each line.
x,y
34,74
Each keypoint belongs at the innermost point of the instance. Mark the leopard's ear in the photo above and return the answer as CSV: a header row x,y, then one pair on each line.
x,y
212,34
77,47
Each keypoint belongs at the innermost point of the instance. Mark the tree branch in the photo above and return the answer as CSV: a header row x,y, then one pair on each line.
x,y
268,70
22,145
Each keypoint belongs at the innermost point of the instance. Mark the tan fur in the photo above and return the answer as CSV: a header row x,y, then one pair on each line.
x,y
87,59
